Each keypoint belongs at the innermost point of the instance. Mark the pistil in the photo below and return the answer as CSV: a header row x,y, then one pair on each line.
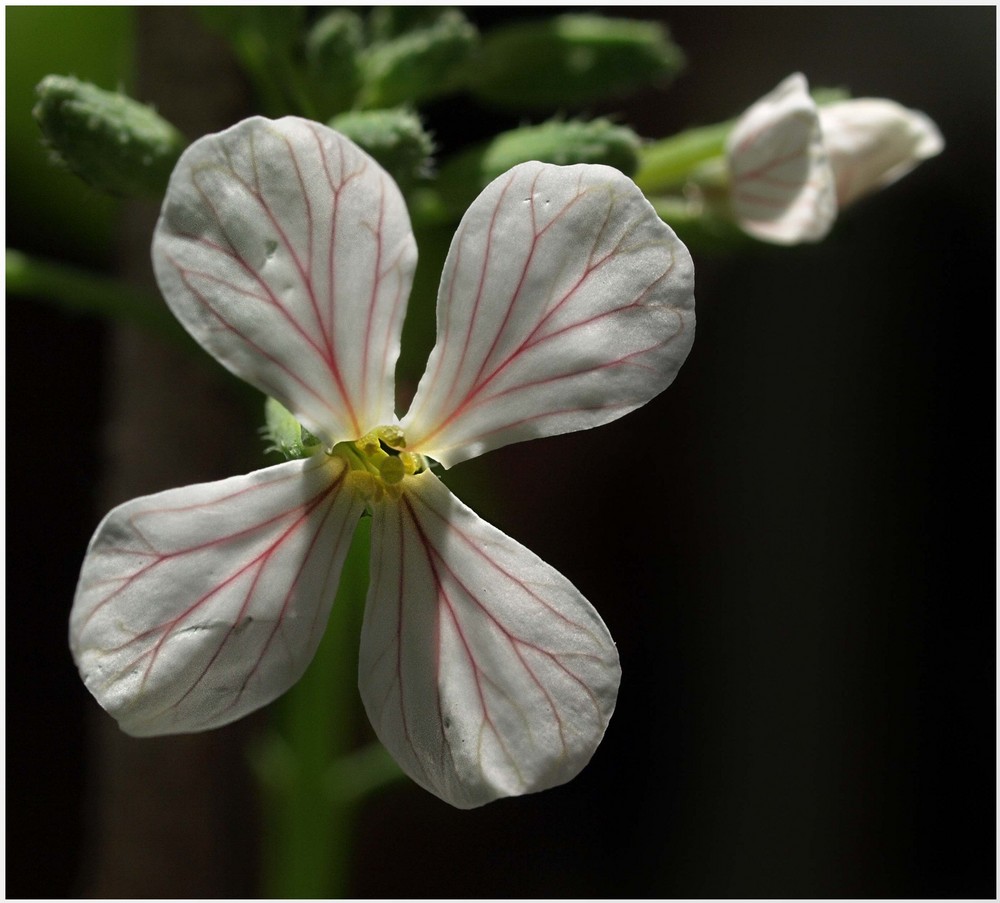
x,y
379,463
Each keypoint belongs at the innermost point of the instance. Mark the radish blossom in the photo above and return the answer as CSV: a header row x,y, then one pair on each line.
x,y
287,252
793,165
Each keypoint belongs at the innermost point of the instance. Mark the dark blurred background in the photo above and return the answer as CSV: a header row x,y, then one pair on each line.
x,y
794,546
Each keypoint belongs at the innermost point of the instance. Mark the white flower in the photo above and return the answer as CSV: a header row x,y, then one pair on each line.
x,y
793,165
287,253
781,184
872,143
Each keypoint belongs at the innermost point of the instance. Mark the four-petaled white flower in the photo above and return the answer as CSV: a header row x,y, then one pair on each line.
x,y
793,164
287,252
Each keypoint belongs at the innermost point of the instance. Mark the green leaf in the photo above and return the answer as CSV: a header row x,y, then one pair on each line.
x,y
388,22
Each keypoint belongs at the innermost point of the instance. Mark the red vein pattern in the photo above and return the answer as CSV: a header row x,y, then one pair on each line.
x,y
781,182
287,253
483,670
198,605
565,302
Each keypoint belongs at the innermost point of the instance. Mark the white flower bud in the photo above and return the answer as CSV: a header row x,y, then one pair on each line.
x,y
872,142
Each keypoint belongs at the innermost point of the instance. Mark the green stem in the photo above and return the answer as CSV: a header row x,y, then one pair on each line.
x,y
82,292
666,165
360,773
309,823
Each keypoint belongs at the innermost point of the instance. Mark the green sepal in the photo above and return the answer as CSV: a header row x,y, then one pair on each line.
x,y
419,64
285,433
825,96
571,61
115,144
395,138
557,141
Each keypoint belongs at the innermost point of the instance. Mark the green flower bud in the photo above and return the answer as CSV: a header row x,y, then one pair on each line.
x,y
266,40
333,46
571,61
388,22
112,142
285,433
557,141
419,64
396,138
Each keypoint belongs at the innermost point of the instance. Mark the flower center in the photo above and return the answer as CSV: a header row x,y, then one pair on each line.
x,y
379,463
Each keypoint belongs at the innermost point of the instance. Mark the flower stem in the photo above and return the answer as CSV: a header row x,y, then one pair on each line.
x,y
309,824
666,165
79,291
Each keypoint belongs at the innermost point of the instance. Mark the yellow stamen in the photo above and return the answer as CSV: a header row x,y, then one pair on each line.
x,y
379,465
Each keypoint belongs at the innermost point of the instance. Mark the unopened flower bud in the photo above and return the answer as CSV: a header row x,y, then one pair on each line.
x,y
560,142
395,138
333,46
571,61
872,142
419,64
112,142
285,433
782,188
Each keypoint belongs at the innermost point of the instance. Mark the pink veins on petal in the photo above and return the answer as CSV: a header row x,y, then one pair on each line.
x,y
323,332
287,252
255,566
537,309
503,644
213,606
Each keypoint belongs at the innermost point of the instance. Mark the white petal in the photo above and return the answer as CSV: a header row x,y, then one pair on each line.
x,y
565,303
198,605
782,188
287,252
483,670
873,142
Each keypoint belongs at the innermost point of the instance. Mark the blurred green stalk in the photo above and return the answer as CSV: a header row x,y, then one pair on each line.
x,y
666,165
311,773
82,292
